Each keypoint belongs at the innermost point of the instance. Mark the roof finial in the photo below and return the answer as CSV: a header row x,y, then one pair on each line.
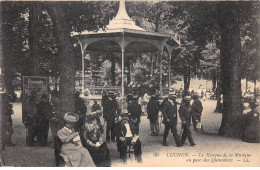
x,y
122,19
122,13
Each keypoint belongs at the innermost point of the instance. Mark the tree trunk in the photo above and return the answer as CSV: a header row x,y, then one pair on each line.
x,y
8,64
214,80
67,61
255,90
218,92
246,84
34,31
186,80
230,57
113,69
152,67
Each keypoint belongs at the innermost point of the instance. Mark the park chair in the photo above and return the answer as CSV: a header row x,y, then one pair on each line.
x,y
58,158
130,149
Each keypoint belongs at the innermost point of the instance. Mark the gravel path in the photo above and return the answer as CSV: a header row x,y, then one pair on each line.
x,y
210,149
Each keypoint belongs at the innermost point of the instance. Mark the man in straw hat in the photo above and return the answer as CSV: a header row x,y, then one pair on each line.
x,y
169,112
185,112
126,134
72,151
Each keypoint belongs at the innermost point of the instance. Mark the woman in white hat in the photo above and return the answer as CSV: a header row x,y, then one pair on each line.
x,y
72,151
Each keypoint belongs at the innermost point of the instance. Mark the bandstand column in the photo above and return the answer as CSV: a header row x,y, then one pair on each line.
x,y
123,70
170,59
160,85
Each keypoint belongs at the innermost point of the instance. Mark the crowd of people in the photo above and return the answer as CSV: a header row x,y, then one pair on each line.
x,y
80,132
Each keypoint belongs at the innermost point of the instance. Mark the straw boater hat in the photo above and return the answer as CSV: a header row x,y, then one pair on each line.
x,y
71,117
187,98
172,94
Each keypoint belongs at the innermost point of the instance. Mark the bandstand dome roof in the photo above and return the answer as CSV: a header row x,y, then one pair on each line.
x,y
123,33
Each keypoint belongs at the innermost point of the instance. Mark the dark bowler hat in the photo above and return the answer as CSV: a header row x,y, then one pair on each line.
x,y
124,116
252,104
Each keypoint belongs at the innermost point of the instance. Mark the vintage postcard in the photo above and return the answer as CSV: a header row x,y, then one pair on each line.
x,y
129,83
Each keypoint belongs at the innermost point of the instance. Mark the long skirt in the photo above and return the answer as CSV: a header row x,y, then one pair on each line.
x,y
76,157
101,155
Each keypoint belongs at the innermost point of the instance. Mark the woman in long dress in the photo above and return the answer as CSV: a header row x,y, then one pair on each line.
x,y
72,151
92,140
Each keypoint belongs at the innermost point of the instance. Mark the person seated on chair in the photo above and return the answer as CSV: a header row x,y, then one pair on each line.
x,y
72,151
92,140
126,135
250,124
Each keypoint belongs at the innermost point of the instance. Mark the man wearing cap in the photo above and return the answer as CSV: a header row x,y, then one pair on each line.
x,y
185,112
110,107
196,108
72,151
135,111
169,112
126,135
153,112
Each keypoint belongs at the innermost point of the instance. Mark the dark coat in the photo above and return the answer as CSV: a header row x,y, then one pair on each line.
x,y
170,111
109,109
197,107
185,112
44,110
135,110
153,108
250,127
95,107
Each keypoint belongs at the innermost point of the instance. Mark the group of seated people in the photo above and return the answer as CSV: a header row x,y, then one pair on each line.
x,y
87,148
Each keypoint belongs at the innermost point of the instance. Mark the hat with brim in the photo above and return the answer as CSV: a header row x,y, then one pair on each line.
x,y
71,117
172,94
124,116
187,98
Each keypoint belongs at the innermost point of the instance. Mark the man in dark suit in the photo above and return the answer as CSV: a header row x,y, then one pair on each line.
x,y
196,109
153,108
185,112
126,135
43,110
135,111
110,107
169,112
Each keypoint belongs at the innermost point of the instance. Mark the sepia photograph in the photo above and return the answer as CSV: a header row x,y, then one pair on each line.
x,y
128,83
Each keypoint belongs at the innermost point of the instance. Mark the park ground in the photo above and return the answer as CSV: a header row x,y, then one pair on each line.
x,y
210,149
